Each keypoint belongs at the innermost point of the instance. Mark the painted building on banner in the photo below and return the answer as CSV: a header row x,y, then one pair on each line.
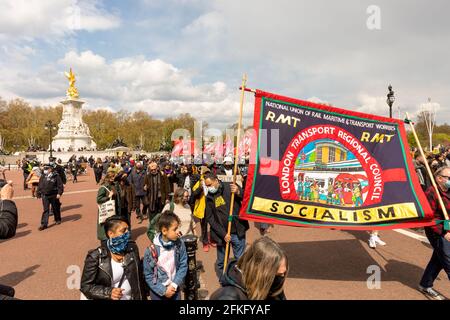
x,y
326,165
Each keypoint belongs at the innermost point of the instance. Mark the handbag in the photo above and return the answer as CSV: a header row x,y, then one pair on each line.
x,y
106,209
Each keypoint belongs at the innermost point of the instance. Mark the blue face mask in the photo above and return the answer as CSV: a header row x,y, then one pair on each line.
x,y
118,244
447,184
212,190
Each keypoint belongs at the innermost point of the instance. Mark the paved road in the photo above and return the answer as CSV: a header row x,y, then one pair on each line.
x,y
324,264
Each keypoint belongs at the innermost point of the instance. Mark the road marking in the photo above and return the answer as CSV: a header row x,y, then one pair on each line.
x,y
65,193
412,235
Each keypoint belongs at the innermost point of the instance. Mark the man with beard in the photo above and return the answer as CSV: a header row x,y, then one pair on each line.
x,y
137,180
157,186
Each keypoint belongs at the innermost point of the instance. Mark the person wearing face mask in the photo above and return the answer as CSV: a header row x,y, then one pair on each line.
x,y
50,189
258,275
217,211
227,168
156,185
182,209
438,237
114,272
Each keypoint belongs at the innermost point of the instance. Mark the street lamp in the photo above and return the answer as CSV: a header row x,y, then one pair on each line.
x,y
390,100
50,126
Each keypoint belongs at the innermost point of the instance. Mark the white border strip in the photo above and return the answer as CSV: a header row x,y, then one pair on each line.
x,y
412,235
64,194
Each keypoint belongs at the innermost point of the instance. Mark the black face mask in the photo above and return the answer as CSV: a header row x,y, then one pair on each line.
x,y
277,284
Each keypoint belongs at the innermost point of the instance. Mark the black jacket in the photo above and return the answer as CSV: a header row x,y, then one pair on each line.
x,y
217,212
96,281
8,219
50,186
8,226
98,168
62,173
233,287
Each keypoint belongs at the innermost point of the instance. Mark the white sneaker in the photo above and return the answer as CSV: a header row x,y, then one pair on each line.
x,y
372,243
430,293
379,241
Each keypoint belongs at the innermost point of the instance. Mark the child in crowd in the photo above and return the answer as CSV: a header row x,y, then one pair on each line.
x,y
165,261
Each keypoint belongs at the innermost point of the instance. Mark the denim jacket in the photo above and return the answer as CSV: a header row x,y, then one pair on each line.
x,y
161,277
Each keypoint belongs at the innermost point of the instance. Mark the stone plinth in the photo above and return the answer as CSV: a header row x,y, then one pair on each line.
x,y
73,133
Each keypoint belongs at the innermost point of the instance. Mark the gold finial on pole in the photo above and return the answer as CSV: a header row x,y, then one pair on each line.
x,y
72,92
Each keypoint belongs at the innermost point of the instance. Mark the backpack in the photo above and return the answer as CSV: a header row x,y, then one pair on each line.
x,y
155,270
153,224
154,254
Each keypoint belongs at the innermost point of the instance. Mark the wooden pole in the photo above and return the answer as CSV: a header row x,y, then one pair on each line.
x,y
433,182
236,159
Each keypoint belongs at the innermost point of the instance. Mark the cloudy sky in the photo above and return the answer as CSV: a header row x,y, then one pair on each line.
x,y
174,56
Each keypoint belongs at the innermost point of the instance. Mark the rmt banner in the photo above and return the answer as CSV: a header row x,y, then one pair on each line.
x,y
314,165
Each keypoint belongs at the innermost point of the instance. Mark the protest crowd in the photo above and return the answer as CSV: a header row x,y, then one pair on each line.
x,y
180,197
177,198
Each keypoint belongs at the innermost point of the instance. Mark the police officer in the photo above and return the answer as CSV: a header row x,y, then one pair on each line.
x,y
50,190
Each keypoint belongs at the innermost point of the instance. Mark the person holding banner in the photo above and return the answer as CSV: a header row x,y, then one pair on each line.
x,y
217,210
438,237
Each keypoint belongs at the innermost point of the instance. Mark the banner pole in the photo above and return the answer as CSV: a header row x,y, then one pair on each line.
x,y
236,159
433,182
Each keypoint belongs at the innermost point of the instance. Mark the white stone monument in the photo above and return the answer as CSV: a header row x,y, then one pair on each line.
x,y
73,133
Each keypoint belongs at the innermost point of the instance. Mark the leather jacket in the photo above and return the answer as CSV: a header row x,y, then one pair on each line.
x,y
96,281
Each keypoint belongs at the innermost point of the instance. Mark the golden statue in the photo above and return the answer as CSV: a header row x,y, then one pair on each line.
x,y
72,92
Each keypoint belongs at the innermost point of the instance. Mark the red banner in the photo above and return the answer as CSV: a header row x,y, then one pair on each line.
x,y
314,165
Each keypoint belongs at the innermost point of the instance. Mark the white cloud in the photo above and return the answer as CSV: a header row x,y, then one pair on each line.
x,y
212,22
134,79
30,19
131,83
18,53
